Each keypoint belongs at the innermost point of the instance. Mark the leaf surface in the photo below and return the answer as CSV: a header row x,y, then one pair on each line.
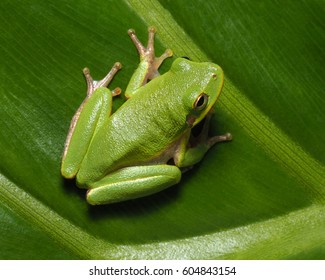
x,y
259,197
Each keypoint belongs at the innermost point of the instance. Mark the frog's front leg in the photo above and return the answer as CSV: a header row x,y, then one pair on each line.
x,y
89,117
133,182
192,149
149,63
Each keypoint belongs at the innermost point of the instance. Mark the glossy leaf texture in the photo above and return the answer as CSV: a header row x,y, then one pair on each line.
x,y
259,197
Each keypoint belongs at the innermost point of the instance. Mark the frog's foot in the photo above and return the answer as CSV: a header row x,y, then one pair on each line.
x,y
147,54
203,137
92,85
199,145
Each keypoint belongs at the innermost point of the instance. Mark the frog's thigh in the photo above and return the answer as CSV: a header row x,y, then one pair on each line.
x,y
133,182
88,119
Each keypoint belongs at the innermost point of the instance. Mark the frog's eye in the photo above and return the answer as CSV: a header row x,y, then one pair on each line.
x,y
186,57
201,102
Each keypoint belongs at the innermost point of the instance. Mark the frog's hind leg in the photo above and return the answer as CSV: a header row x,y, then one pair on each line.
x,y
149,63
133,182
90,116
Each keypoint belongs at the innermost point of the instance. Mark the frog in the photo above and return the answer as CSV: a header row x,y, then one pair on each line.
x,y
145,145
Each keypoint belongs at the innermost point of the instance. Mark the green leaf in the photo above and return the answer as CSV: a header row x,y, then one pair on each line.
x,y
259,197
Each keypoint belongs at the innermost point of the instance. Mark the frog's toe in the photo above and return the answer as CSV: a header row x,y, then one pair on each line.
x,y
219,138
141,49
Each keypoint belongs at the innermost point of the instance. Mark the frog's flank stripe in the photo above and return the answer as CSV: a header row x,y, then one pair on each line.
x,y
275,142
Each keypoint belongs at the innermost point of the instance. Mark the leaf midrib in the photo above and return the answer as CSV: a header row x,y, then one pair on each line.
x,y
286,234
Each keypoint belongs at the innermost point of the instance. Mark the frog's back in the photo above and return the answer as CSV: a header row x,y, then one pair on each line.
x,y
137,133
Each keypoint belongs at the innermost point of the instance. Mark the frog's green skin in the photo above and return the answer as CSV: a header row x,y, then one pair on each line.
x,y
124,155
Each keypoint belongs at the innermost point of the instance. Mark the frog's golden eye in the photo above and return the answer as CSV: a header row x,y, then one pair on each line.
x,y
201,102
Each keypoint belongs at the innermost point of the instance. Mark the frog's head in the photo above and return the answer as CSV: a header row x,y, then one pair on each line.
x,y
201,84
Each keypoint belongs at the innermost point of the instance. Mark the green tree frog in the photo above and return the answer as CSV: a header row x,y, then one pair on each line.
x,y
144,146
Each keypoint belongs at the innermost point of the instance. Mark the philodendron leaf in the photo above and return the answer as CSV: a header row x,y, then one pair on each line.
x,y
259,197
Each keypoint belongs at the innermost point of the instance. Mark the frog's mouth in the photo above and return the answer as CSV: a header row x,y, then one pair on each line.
x,y
197,129
193,120
190,120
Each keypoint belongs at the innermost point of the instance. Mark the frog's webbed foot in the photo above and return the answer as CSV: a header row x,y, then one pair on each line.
x,y
203,137
92,85
147,54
